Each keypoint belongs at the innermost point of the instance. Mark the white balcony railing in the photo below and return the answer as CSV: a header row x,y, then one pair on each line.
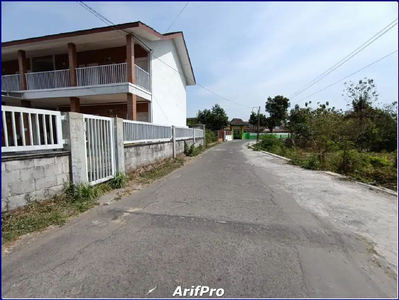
x,y
107,74
142,78
26,129
10,83
86,76
48,80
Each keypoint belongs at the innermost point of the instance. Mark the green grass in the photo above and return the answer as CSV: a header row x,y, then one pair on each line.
x,y
37,216
194,151
154,173
368,167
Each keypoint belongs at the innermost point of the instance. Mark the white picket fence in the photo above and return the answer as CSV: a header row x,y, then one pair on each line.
x,y
26,129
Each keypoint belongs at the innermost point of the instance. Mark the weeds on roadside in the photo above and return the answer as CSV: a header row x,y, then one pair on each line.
x,y
36,216
152,174
367,167
194,151
119,181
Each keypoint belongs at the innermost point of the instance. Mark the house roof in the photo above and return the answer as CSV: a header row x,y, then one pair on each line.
x,y
237,121
100,34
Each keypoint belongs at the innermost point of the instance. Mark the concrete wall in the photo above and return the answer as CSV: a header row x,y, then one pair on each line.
x,y
140,155
32,177
168,86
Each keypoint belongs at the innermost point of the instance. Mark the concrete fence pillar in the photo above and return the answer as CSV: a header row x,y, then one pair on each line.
x,y
174,140
204,129
119,145
76,144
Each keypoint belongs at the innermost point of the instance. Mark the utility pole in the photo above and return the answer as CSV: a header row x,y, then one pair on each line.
x,y
257,136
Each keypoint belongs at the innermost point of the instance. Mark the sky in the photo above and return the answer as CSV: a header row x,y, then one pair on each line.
x,y
246,52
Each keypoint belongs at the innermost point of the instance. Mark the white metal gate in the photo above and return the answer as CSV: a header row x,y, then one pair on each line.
x,y
100,156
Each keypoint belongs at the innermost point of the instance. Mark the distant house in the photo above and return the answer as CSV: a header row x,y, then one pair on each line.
x,y
237,127
108,71
238,122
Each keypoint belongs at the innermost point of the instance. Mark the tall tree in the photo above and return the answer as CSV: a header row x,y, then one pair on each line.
x,y
214,118
361,96
277,109
253,120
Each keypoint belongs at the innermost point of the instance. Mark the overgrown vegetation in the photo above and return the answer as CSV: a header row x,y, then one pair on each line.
x,y
152,173
119,181
360,142
192,150
36,216
211,136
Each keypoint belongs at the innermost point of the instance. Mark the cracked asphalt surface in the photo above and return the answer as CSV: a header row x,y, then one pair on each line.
x,y
219,221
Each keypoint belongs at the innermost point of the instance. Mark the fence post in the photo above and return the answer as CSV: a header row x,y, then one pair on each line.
x,y
194,136
174,140
204,132
119,145
75,135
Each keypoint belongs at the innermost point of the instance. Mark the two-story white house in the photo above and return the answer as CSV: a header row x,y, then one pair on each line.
x,y
129,70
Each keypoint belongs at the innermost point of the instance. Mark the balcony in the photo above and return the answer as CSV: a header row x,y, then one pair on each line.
x,y
10,83
87,76
48,80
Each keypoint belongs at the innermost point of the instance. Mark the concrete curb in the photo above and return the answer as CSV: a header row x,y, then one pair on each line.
x,y
372,187
275,155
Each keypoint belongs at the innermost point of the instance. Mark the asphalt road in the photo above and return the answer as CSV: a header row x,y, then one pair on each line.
x,y
219,221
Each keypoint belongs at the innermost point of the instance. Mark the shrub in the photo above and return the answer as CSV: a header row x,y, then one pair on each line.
x,y
312,163
269,141
118,181
83,196
186,148
350,162
297,160
194,151
377,161
211,136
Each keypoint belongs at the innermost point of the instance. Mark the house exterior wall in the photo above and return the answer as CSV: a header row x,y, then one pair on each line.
x,y
168,86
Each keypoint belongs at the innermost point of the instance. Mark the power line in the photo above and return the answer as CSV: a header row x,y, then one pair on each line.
x,y
108,22
172,23
177,16
346,76
101,17
348,57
